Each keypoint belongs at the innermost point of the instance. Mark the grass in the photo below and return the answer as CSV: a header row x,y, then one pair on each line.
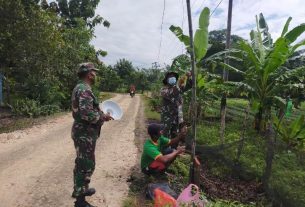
x,y
286,184
134,201
287,181
302,106
286,187
149,113
223,203
106,95
18,123
209,133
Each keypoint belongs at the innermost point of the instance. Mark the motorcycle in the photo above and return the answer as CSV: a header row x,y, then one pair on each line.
x,y
132,93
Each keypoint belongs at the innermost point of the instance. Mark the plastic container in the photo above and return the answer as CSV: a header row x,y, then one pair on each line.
x,y
187,198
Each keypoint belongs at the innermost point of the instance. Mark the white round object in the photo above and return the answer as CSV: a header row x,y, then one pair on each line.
x,y
112,108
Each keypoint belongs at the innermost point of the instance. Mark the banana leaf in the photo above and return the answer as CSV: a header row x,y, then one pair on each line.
x,y
202,34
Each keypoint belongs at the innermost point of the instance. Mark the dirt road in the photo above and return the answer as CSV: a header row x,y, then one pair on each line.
x,y
36,164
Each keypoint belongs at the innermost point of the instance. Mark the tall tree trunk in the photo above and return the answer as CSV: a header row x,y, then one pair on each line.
x,y
270,137
258,120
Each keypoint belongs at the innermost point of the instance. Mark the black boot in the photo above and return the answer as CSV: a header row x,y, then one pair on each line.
x,y
81,202
87,192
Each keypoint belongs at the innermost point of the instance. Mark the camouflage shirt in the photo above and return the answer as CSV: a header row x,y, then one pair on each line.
x,y
171,99
85,106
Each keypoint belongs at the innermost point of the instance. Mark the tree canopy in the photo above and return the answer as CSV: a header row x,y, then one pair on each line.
x,y
41,46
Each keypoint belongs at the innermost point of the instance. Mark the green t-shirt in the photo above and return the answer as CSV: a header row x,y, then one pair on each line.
x,y
151,150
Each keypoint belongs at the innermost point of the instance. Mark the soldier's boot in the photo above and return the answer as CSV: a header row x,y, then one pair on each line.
x,y
81,202
87,192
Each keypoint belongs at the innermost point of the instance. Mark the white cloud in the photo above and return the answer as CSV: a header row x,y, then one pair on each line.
x,y
134,33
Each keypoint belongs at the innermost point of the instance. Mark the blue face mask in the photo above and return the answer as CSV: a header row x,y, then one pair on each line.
x,y
172,81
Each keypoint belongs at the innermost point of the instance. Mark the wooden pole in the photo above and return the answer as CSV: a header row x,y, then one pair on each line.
x,y
192,178
1,96
228,37
225,75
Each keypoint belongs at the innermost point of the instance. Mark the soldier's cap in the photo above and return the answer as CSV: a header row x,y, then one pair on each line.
x,y
86,67
154,129
168,74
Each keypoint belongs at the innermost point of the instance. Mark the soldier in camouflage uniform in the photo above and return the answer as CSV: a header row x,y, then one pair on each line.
x,y
88,119
171,110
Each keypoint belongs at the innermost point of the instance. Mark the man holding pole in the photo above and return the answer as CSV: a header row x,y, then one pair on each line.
x,y
171,111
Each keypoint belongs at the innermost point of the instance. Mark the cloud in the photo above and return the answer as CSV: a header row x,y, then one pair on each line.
x,y
135,30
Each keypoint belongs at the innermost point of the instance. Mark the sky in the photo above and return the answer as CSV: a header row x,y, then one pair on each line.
x,y
136,25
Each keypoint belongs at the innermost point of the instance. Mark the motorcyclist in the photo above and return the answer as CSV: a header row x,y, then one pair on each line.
x,y
132,90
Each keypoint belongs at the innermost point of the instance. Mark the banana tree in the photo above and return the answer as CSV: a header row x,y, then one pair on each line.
x,y
263,74
182,63
292,133
197,49
201,35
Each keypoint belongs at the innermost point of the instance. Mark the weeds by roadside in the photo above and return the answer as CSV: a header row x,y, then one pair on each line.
x,y
149,111
17,123
10,122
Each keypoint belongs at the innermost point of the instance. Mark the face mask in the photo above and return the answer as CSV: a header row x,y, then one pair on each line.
x,y
171,81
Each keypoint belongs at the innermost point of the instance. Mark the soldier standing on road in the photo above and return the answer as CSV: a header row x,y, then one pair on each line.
x,y
171,111
88,119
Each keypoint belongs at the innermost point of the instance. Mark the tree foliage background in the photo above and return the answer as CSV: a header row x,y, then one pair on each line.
x,y
121,75
41,45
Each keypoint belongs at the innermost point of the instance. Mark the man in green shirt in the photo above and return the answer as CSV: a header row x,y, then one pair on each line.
x,y
153,161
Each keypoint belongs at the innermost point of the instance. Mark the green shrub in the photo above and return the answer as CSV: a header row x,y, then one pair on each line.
x,y
32,108
148,111
49,109
180,171
27,107
207,134
155,104
287,185
181,166
223,203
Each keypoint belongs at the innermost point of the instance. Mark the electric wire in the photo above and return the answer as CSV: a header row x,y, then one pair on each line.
x,y
161,30
182,24
174,47
216,7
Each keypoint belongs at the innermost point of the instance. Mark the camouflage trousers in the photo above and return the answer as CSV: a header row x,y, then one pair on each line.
x,y
171,126
84,142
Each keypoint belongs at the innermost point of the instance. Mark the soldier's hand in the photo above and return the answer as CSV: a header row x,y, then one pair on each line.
x,y
181,81
189,74
107,117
